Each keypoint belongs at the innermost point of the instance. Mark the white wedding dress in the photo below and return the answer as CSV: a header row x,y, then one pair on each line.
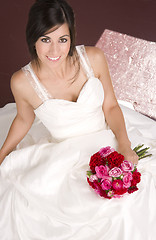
x,y
44,194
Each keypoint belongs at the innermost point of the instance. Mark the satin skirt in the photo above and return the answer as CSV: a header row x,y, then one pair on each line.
x,y
44,194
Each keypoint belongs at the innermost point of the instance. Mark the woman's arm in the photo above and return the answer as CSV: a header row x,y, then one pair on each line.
x,y
23,120
112,111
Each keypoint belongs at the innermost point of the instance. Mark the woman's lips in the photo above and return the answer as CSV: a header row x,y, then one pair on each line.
x,y
54,59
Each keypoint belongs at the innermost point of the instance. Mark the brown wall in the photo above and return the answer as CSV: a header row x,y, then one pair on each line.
x,y
133,17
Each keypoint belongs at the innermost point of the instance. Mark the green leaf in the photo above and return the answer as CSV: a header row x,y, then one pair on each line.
x,y
89,173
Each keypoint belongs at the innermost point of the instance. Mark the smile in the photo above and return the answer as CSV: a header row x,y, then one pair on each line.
x,y
53,59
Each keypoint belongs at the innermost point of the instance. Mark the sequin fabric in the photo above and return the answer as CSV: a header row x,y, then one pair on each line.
x,y
132,66
85,61
40,90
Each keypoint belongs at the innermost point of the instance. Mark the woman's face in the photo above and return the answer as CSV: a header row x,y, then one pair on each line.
x,y
53,47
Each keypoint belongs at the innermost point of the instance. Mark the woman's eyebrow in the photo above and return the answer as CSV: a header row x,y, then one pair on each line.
x,y
66,35
45,36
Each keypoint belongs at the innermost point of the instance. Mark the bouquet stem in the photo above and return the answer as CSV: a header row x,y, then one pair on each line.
x,y
142,153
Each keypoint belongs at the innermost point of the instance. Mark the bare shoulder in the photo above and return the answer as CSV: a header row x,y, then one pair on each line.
x,y
94,53
18,82
17,79
97,59
21,91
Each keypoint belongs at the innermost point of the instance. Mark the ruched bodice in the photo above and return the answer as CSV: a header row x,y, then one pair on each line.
x,y
64,118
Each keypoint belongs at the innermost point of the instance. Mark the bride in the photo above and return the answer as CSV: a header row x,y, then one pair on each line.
x,y
43,188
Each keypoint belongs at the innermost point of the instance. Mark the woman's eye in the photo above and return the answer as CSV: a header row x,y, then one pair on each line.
x,y
45,40
63,40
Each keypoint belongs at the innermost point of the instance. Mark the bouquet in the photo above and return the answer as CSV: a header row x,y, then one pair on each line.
x,y
111,176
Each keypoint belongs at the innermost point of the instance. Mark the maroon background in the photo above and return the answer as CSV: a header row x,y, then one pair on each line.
x,y
133,17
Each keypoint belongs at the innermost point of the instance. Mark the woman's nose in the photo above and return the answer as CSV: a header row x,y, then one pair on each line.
x,y
54,50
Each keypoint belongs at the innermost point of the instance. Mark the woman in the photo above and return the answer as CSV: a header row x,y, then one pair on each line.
x,y
43,186
51,41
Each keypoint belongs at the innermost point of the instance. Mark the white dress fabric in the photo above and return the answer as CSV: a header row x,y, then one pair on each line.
x,y
44,194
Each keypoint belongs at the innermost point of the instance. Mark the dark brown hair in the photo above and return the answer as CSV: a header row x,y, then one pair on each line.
x,y
45,14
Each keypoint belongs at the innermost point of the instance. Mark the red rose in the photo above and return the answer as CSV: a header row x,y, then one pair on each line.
x,y
136,178
118,187
115,159
132,189
96,160
120,191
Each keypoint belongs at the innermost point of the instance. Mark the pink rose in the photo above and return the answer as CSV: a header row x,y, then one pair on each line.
x,y
127,166
115,172
104,152
106,177
93,177
110,193
101,171
127,180
117,184
106,184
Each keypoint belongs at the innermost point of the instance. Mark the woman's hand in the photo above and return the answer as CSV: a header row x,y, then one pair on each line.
x,y
129,154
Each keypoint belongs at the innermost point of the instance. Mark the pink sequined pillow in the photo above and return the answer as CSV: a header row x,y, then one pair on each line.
x,y
132,66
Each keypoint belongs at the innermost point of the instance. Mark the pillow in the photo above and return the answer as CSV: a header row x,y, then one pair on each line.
x,y
132,66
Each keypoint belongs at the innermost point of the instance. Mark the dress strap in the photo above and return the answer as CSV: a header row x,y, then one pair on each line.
x,y
85,61
40,90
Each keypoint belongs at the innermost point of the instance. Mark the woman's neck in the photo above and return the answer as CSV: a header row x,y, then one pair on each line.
x,y
60,72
